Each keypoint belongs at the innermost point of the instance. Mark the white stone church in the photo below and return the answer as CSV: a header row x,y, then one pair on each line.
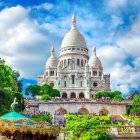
x,y
74,73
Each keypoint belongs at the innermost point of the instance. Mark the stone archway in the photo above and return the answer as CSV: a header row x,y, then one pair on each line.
x,y
81,95
72,95
83,111
104,111
61,111
64,95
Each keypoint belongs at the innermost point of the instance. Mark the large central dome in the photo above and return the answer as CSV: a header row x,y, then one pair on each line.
x,y
73,37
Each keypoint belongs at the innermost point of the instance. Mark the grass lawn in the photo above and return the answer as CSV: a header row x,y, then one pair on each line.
x,y
136,120
37,119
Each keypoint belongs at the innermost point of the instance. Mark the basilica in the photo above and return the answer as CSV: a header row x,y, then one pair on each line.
x,y
74,73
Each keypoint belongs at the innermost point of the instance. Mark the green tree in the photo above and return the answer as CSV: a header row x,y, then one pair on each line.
x,y
114,95
33,90
8,87
45,97
42,90
136,105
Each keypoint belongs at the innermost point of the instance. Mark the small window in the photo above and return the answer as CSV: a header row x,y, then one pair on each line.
x,y
81,49
65,63
65,49
78,62
100,73
69,48
73,79
65,84
73,48
94,73
95,84
82,63
78,48
68,61
81,83
52,73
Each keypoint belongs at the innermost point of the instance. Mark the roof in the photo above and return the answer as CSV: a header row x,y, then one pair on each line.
x,y
14,116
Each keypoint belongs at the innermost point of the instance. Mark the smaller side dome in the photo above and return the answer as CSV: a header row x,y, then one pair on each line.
x,y
94,61
52,61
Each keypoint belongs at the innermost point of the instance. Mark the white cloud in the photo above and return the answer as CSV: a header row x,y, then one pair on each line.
x,y
123,62
116,3
22,44
46,6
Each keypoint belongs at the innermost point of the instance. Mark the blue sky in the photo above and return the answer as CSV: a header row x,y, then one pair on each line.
x,y
29,27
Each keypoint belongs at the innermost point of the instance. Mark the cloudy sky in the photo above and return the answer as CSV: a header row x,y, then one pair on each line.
x,y
29,27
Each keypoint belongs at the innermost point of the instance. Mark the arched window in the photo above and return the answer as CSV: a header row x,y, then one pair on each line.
x,y
62,63
73,79
72,95
81,95
51,73
62,111
85,63
83,111
82,63
65,63
94,73
68,61
64,95
81,83
65,84
100,73
78,62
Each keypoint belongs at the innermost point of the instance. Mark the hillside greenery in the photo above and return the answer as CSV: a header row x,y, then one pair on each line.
x,y
85,127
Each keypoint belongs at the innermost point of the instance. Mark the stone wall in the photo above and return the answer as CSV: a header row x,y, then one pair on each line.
x,y
90,107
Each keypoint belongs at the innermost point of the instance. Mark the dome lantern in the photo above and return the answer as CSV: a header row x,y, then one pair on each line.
x,y
52,61
94,61
73,22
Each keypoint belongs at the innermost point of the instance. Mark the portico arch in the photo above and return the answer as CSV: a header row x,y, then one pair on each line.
x,y
83,111
104,111
62,111
64,95
72,95
81,95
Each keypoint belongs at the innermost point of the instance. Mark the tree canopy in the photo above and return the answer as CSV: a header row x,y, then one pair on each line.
x,y
114,95
136,105
46,91
9,87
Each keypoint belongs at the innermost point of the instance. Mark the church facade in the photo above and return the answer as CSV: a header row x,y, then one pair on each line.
x,y
74,73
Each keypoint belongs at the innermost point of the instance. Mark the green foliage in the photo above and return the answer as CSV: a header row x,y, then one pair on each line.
x,y
136,105
133,94
45,97
8,88
33,89
40,118
115,95
42,91
85,127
